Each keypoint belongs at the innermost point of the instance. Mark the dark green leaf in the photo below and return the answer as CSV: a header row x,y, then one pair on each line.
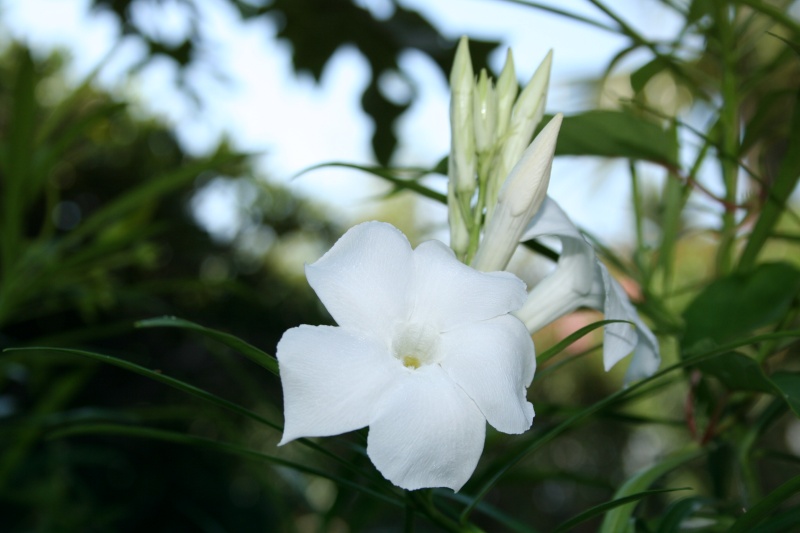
x,y
259,357
156,376
601,509
788,383
737,372
617,519
644,74
737,304
766,506
225,447
784,522
616,134
677,512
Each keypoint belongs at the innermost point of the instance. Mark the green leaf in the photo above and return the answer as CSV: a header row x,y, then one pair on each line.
x,y
617,134
788,383
224,447
641,76
598,510
561,346
782,522
766,506
392,176
259,357
156,376
679,511
617,519
737,304
738,372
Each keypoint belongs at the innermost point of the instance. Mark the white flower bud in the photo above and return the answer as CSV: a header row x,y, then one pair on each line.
x,y
484,113
506,91
520,198
525,117
462,145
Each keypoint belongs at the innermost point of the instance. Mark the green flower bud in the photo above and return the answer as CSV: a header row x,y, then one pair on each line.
x,y
506,91
484,113
525,116
462,145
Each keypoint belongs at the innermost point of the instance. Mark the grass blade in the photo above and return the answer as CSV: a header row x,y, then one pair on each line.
x,y
260,357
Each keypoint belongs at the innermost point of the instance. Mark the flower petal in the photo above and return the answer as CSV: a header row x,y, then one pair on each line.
x,y
621,339
581,280
494,361
568,286
426,432
331,380
448,293
363,279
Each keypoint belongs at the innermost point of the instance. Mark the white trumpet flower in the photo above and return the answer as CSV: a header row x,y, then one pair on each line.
x,y
425,354
581,280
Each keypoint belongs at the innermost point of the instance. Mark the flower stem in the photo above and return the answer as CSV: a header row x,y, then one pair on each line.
x,y
729,133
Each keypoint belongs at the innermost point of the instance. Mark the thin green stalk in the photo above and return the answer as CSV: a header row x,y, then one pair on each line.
x,y
638,215
477,214
729,133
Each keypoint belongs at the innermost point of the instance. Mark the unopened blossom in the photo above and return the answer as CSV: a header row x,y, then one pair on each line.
x,y
520,197
526,114
581,280
425,353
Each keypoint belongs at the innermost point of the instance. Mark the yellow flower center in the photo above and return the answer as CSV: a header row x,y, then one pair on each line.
x,y
416,345
410,361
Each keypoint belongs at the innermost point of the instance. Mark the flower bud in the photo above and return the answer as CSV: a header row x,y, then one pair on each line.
x,y
525,117
506,92
519,199
462,146
484,113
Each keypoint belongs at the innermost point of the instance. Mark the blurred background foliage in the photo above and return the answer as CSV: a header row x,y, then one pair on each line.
x,y
100,228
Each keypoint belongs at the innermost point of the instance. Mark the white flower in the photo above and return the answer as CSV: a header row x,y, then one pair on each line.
x,y
425,354
581,280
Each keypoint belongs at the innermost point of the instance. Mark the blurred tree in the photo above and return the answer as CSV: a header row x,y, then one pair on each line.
x,y
316,29
97,233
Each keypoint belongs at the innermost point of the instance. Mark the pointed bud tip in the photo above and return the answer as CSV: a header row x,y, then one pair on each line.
x,y
461,73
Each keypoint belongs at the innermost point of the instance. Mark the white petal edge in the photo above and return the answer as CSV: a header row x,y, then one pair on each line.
x,y
331,380
448,293
426,432
646,358
494,362
566,289
363,280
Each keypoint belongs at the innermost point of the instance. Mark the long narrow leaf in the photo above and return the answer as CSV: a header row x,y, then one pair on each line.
x,y
390,176
562,345
602,508
225,447
766,506
617,519
259,357
157,376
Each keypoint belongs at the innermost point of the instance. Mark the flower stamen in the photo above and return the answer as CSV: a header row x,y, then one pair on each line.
x,y
409,361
